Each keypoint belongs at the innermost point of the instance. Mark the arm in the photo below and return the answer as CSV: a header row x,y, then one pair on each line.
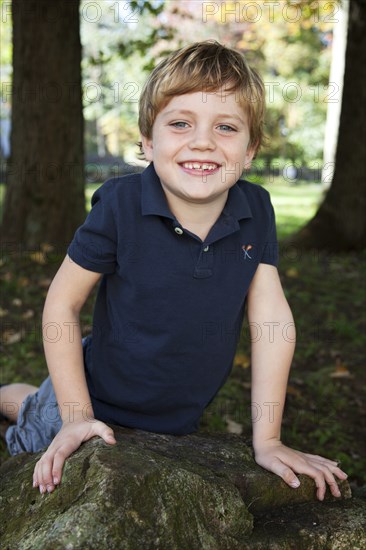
x,y
273,336
63,349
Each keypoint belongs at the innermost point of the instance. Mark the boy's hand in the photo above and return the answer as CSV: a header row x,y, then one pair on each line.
x,y
283,461
48,470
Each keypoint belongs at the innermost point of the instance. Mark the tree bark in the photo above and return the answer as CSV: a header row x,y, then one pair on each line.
x,y
340,224
44,201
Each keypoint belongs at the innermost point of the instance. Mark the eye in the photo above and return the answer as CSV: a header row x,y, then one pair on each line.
x,y
226,128
179,124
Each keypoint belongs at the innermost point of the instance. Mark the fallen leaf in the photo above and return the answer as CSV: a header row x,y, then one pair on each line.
x,y
29,314
11,337
3,312
340,371
233,427
17,302
38,257
23,281
241,360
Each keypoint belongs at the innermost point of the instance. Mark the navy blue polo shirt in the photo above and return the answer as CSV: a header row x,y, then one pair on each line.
x,y
170,306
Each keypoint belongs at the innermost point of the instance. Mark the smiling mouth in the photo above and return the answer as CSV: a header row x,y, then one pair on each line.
x,y
206,166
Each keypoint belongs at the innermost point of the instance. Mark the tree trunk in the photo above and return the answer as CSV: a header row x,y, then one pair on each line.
x,y
44,200
340,224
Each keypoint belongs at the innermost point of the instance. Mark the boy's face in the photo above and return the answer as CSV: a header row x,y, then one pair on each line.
x,y
199,146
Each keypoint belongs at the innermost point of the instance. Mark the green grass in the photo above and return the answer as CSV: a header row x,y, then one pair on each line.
x,y
89,190
294,205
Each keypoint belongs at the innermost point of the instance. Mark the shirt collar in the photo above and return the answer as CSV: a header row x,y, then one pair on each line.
x,y
153,200
237,205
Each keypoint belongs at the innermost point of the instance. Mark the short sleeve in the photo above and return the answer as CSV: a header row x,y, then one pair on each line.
x,y
94,245
270,251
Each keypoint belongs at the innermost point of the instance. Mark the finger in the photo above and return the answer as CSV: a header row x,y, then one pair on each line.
x,y
58,465
318,477
329,478
301,466
334,489
322,470
59,454
52,472
336,471
317,474
340,473
105,432
35,477
45,473
283,471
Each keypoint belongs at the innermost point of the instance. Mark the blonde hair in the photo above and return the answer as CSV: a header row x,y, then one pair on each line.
x,y
204,66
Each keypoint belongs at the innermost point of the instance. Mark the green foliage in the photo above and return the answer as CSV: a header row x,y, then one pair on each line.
x,y
122,42
290,44
116,48
6,49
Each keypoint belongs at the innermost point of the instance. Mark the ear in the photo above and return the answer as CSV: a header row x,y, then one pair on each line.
x,y
249,155
147,145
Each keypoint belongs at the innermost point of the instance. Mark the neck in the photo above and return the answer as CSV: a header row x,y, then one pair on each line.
x,y
197,217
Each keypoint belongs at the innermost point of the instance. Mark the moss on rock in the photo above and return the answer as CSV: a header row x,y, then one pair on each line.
x,y
201,491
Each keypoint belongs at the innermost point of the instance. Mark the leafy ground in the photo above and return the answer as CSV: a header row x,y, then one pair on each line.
x,y
324,410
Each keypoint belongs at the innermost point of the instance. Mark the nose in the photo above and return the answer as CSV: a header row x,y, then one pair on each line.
x,y
202,138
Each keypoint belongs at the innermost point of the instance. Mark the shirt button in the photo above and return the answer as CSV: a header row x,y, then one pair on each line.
x,y
206,249
178,230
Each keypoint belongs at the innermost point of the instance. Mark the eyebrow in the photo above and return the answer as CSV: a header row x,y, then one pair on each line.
x,y
188,112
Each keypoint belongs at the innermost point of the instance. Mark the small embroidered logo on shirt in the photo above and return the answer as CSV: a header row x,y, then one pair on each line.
x,y
245,248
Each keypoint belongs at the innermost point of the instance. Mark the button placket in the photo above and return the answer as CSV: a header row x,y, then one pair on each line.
x,y
204,266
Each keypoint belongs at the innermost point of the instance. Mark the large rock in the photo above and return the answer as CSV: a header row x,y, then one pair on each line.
x,y
155,491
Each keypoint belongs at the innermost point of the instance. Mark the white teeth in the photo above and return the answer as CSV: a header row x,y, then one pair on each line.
x,y
199,166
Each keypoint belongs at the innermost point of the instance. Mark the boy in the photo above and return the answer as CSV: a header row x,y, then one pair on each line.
x,y
178,251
